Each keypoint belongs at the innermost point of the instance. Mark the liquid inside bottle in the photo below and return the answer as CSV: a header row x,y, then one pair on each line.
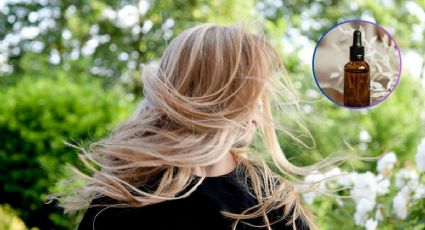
x,y
356,84
357,76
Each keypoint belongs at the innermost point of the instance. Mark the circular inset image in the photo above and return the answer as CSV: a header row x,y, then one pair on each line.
x,y
357,64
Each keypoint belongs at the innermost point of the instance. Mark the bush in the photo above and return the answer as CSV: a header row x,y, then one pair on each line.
x,y
395,124
36,116
9,220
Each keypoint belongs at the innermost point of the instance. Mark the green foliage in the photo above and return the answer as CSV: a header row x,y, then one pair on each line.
x,y
36,116
9,219
394,125
417,219
342,214
82,18
327,13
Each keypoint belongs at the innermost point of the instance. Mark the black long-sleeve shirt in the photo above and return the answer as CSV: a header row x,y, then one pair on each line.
x,y
199,211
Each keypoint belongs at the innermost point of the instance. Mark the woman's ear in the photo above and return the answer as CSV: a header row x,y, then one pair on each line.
x,y
259,107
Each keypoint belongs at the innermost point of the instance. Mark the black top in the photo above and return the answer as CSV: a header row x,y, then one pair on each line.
x,y
199,211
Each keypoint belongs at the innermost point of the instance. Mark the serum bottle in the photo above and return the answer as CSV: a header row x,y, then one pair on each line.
x,y
357,75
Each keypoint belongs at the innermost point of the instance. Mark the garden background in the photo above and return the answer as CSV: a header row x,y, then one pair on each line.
x,y
69,70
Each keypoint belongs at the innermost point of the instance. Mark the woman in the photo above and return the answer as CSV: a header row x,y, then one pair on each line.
x,y
183,160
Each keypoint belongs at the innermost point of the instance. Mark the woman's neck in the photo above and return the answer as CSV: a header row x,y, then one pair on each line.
x,y
226,165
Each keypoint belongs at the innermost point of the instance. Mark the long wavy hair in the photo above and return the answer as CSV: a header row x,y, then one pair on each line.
x,y
197,107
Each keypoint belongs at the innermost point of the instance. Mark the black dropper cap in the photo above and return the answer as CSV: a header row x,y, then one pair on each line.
x,y
357,50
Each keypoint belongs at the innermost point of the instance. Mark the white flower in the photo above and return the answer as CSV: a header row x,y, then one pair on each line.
x,y
400,202
365,186
313,178
403,177
420,155
333,172
109,13
419,192
386,162
364,194
383,185
412,185
309,197
128,16
362,208
371,224
29,32
318,182
378,214
364,136
144,6
310,181
347,179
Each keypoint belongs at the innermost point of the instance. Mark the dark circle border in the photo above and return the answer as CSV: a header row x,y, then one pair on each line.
x,y
399,71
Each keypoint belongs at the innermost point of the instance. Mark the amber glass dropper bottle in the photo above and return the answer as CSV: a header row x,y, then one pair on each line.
x,y
357,75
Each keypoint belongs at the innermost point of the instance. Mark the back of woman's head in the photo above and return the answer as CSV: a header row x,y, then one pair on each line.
x,y
198,104
210,78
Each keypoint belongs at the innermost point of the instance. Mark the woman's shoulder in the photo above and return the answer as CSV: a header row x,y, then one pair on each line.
x,y
276,217
100,214
200,209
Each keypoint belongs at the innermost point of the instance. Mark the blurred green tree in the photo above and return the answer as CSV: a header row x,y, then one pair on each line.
x,y
114,36
36,116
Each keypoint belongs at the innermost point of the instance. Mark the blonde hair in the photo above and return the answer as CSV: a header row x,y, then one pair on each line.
x,y
195,109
